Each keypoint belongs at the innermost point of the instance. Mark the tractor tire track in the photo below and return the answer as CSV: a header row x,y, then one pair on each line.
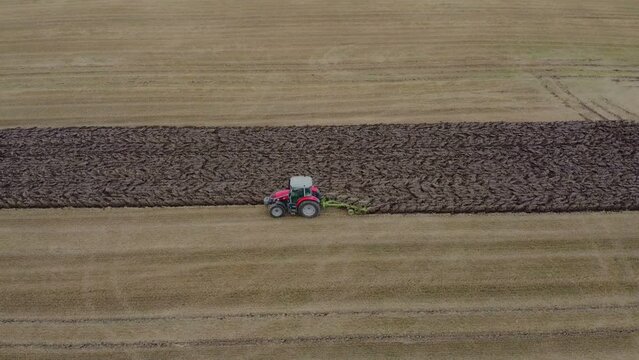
x,y
557,93
627,112
316,314
446,167
604,109
355,338
579,101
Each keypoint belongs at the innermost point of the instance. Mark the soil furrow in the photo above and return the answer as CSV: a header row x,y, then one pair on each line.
x,y
447,167
405,312
355,338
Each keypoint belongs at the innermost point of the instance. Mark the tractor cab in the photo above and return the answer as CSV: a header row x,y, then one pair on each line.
x,y
301,198
299,186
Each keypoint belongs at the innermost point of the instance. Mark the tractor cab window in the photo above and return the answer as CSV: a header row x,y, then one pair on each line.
x,y
300,186
300,192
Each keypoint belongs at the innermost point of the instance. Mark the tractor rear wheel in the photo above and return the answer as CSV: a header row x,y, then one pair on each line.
x,y
276,210
309,209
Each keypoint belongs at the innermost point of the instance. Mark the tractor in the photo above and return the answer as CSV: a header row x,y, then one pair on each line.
x,y
301,198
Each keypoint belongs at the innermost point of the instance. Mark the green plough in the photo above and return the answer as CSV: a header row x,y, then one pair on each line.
x,y
352,209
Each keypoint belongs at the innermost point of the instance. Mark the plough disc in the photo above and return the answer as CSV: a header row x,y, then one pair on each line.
x,y
352,209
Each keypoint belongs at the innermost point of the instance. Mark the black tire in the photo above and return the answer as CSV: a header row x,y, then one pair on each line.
x,y
309,209
276,210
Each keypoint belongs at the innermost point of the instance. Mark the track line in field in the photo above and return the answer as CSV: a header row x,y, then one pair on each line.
x,y
622,109
315,314
355,338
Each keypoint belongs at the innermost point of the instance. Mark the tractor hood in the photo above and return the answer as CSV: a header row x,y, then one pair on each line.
x,y
281,194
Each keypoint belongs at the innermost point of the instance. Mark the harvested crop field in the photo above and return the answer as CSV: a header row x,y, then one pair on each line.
x,y
230,282
466,167
331,62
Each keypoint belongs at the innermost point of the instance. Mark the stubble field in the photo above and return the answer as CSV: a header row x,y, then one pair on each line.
x,y
287,62
223,282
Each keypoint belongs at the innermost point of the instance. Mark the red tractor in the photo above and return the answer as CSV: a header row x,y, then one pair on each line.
x,y
301,198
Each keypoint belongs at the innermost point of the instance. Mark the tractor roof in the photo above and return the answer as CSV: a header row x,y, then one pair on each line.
x,y
298,182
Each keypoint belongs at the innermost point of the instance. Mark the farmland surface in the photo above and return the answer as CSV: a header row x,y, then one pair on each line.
x,y
231,282
465,167
286,62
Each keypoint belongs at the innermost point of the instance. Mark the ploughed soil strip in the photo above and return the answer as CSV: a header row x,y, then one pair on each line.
x,y
447,167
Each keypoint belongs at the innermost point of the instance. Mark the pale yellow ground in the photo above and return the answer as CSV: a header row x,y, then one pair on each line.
x,y
480,286
279,62
470,286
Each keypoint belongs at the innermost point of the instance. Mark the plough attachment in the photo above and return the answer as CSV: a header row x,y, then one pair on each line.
x,y
352,209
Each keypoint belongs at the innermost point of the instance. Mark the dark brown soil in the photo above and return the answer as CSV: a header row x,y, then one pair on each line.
x,y
447,167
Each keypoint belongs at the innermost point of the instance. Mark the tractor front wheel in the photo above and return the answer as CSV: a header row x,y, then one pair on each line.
x,y
276,210
309,209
